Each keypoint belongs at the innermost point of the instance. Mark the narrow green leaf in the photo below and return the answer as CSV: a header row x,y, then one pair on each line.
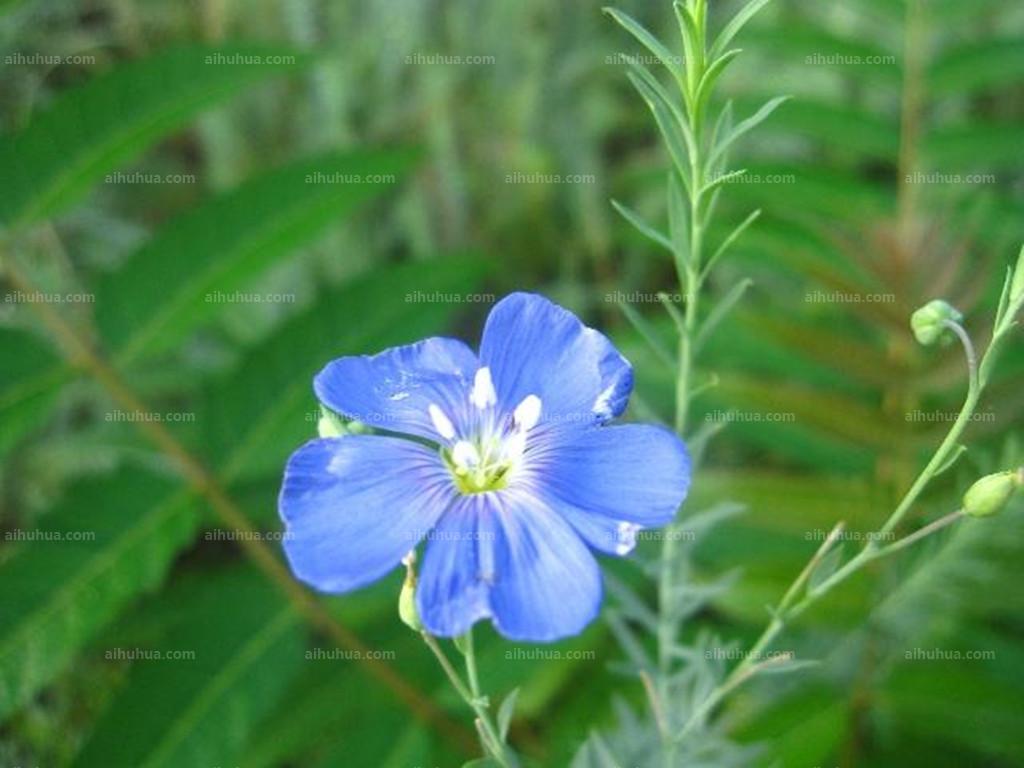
x,y
642,226
729,240
709,79
721,310
647,332
506,712
648,41
670,122
678,223
720,179
954,457
784,666
828,565
745,126
185,275
736,23
692,45
723,127
628,641
92,129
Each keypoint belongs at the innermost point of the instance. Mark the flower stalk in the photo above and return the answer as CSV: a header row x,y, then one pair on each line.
x,y
490,736
790,608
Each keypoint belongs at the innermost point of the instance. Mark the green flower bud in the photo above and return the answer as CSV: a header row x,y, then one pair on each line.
x,y
928,323
407,598
992,493
330,425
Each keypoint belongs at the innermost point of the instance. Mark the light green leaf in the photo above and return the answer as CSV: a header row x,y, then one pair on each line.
x,y
729,240
828,565
642,226
678,223
648,41
673,126
708,80
735,25
743,127
721,310
506,712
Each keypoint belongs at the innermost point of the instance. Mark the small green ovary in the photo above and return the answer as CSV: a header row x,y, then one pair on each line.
x,y
480,477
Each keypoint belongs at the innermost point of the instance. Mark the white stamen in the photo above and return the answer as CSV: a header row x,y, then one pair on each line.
x,y
527,413
626,538
442,423
483,394
465,455
515,446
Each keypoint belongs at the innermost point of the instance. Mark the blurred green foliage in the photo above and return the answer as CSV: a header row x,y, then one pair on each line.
x,y
159,168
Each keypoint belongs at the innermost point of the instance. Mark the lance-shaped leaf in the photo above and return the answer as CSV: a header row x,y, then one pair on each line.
x,y
648,41
743,127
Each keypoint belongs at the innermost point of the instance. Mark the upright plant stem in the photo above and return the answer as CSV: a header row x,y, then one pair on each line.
x,y
690,288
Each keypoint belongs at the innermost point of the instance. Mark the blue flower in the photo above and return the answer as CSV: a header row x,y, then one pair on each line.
x,y
504,462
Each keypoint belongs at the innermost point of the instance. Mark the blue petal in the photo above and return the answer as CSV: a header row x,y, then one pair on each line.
x,y
454,579
534,347
507,556
548,585
354,506
393,390
609,481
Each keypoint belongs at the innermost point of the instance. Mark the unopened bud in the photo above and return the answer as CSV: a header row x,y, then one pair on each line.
x,y
407,598
929,322
989,495
330,425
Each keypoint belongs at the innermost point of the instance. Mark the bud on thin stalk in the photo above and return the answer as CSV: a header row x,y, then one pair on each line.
x,y
929,322
990,495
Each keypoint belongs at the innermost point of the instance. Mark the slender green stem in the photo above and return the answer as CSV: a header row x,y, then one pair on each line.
x,y
490,736
790,608
949,442
691,279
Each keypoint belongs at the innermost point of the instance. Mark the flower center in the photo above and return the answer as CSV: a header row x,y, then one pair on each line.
x,y
484,454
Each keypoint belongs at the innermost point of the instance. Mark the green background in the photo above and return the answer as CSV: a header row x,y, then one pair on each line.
x,y
202,203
